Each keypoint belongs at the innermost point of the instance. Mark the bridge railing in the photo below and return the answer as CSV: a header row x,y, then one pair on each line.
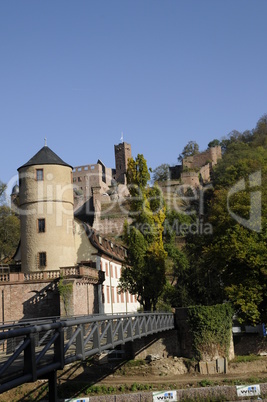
x,y
29,351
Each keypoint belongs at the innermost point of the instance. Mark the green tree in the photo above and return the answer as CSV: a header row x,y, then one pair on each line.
x,y
176,291
144,271
214,143
9,233
192,148
2,190
9,229
161,173
234,259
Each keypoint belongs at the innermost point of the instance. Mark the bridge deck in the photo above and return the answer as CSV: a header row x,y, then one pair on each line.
x,y
31,350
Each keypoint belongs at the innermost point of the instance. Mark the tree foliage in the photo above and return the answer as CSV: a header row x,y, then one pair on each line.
x,y
214,143
192,148
236,255
161,173
9,233
210,328
144,272
9,229
2,190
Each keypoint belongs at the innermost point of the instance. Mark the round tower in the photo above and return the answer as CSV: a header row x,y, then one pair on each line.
x,y
46,213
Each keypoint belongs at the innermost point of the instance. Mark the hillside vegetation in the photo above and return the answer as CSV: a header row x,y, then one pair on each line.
x,y
214,238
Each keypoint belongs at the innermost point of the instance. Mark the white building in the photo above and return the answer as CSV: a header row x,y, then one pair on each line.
x,y
108,257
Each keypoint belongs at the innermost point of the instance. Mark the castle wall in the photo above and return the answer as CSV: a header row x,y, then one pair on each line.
x,y
80,298
190,179
88,176
26,300
211,155
205,173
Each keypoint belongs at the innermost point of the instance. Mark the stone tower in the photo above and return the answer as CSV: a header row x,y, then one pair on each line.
x,y
122,153
46,213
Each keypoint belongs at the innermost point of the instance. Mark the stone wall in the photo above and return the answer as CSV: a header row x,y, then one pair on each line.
x,y
211,155
164,344
190,179
27,296
88,176
223,393
122,153
35,299
81,299
112,226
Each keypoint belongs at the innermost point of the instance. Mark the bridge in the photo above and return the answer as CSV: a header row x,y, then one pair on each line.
x,y
32,350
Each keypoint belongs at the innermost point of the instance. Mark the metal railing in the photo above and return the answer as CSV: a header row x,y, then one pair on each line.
x,y
32,350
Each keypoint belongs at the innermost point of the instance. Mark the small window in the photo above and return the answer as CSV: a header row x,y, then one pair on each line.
x,y
42,259
41,225
108,295
39,174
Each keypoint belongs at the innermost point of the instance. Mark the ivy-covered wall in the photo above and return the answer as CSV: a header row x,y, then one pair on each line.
x,y
205,332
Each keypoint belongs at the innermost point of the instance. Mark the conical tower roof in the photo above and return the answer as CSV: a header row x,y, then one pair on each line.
x,y
45,157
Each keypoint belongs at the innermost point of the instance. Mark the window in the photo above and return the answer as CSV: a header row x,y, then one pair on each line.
x,y
42,259
118,297
39,174
108,295
111,270
112,295
106,265
41,225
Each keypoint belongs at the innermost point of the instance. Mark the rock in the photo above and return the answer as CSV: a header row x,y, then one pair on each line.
x,y
151,358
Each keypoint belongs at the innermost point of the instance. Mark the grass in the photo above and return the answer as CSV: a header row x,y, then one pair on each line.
x,y
245,359
135,363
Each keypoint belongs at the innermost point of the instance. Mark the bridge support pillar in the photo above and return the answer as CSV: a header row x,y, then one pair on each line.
x,y
52,386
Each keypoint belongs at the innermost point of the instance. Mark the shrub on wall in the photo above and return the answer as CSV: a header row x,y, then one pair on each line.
x,y
65,291
210,327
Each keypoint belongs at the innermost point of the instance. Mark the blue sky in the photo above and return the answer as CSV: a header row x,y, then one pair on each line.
x,y
81,72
